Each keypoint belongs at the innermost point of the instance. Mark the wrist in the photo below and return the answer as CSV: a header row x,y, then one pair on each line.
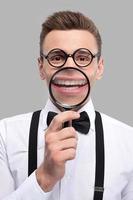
x,y
45,181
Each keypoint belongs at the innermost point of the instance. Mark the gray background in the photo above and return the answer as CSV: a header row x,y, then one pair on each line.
x,y
21,89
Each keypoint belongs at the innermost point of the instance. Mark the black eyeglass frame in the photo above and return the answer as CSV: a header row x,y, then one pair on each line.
x,y
70,55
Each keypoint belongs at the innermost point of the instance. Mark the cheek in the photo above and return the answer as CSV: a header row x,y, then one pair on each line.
x,y
47,77
91,74
48,74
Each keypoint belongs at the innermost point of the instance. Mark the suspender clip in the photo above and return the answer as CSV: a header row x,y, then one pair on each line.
x,y
99,189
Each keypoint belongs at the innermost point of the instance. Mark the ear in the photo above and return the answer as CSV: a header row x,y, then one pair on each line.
x,y
100,69
41,68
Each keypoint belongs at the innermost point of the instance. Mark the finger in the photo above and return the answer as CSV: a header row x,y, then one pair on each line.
x,y
62,145
68,144
58,120
67,154
65,133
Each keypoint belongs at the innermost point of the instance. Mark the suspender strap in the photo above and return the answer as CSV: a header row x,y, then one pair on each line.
x,y
99,174
32,153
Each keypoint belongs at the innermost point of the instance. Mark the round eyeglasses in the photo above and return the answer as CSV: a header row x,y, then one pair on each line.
x,y
82,57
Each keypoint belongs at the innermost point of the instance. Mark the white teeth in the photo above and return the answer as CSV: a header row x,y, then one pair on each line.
x,y
70,82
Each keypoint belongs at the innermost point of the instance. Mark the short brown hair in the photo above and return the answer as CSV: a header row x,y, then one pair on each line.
x,y
68,20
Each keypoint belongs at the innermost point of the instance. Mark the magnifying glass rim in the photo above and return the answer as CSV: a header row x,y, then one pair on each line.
x,y
61,105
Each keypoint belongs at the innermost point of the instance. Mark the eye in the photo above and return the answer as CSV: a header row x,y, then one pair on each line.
x,y
56,59
83,58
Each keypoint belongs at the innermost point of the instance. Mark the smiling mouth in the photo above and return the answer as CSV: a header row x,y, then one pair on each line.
x,y
69,83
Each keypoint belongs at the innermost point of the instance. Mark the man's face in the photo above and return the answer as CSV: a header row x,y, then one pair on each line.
x,y
69,41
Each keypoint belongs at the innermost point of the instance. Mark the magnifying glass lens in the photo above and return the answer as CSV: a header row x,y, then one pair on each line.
x,y
69,88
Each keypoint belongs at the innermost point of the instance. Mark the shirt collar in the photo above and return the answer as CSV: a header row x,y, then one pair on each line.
x,y
88,107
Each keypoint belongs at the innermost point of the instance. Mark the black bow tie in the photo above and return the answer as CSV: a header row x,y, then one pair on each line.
x,y
81,125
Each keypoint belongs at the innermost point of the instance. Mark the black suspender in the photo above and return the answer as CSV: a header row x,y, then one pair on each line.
x,y
99,172
32,157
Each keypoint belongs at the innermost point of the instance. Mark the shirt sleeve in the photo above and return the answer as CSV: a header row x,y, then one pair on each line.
x,y
128,191
29,189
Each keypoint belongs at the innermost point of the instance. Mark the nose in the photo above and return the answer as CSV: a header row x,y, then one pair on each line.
x,y
70,62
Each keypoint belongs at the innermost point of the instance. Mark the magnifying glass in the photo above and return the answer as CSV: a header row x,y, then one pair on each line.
x,y
69,88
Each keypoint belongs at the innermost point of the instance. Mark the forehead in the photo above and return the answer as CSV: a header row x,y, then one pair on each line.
x,y
69,40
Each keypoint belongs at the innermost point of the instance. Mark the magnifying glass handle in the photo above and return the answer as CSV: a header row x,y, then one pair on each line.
x,y
68,124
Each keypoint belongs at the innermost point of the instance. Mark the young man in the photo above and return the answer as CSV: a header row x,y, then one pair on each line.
x,y
69,164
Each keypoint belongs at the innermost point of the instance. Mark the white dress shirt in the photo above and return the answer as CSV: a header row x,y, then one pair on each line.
x,y
78,181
